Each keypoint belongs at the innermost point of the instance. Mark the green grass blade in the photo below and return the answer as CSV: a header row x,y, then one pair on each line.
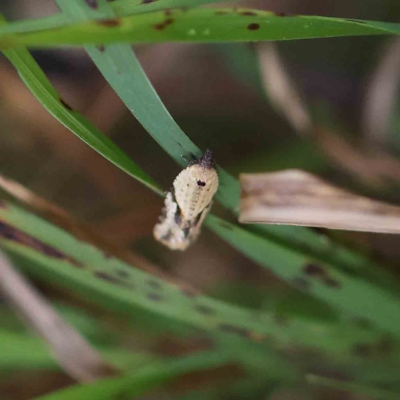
x,y
348,293
197,25
43,90
49,253
140,381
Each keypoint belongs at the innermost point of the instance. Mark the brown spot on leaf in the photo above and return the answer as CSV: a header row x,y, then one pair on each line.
x,y
168,12
154,284
10,233
236,330
253,27
101,47
248,13
221,12
162,25
109,23
154,296
333,283
362,350
301,283
65,104
204,309
92,4
313,270
122,273
2,204
148,1
112,279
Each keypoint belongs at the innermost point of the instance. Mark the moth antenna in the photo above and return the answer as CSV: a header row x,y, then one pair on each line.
x,y
206,161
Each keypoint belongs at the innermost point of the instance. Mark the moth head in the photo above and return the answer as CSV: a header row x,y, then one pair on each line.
x,y
206,161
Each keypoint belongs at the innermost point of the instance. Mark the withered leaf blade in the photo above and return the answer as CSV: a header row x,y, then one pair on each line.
x,y
294,197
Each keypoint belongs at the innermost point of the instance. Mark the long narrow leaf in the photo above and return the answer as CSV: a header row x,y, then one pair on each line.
x,y
197,25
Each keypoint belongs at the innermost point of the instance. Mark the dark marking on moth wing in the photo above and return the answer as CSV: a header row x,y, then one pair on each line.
x,y
154,297
177,216
186,232
201,183
248,13
235,330
197,220
66,105
92,4
362,350
8,232
253,27
109,23
204,309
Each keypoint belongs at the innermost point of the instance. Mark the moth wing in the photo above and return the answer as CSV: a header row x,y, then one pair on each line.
x,y
194,189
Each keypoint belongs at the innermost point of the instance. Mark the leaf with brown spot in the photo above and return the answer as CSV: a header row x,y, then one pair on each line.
x,y
295,197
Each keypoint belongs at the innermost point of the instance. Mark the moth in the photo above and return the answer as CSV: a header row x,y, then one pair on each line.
x,y
187,204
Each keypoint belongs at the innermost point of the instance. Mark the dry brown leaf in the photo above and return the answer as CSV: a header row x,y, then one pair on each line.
x,y
294,197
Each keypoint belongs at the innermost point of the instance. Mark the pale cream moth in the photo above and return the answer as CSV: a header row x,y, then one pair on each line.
x,y
187,204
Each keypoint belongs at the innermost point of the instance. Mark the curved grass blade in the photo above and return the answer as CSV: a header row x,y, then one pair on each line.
x,y
49,253
141,381
43,90
195,25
